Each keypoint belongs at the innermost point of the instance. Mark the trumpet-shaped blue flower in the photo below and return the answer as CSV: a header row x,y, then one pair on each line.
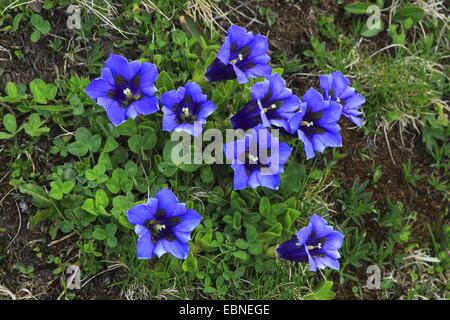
x,y
272,105
257,159
242,56
318,127
317,243
186,109
163,225
336,87
125,89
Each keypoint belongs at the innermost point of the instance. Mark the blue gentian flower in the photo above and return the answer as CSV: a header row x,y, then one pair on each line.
x,y
336,87
242,56
163,225
125,89
272,105
318,127
257,159
317,244
186,109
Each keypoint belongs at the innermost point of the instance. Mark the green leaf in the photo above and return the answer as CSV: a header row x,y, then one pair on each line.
x,y
110,144
38,195
357,7
111,242
35,36
111,229
416,14
99,234
373,32
78,148
264,206
42,92
34,126
40,23
101,199
207,175
190,264
241,255
167,168
42,215
10,123
325,292
164,82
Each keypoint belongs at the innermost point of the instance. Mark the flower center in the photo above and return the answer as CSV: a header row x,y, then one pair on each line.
x,y
186,112
128,93
307,123
159,227
318,246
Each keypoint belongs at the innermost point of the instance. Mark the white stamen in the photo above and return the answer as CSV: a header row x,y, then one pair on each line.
x,y
273,106
159,227
307,124
127,92
253,158
240,57
186,112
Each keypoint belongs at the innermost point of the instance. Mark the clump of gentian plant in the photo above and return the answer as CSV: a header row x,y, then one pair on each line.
x,y
184,107
163,225
242,56
317,244
125,89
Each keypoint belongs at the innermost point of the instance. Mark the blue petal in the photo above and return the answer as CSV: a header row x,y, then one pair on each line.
x,y
329,139
189,221
166,199
320,226
218,71
224,52
173,97
258,46
309,149
144,106
259,70
340,82
303,234
120,66
315,100
178,249
239,36
334,241
169,122
182,236
269,181
140,214
148,75
248,117
159,249
207,109
240,177
278,87
116,114
98,88
290,250
327,261
326,82
331,114
240,75
260,90
145,246
253,180
107,75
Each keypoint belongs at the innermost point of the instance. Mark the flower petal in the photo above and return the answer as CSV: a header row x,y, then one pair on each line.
x,y
189,221
145,246
144,106
176,248
166,199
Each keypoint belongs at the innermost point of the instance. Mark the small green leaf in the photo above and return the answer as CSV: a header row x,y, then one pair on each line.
x,y
10,123
99,234
264,206
325,292
357,7
101,199
38,194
